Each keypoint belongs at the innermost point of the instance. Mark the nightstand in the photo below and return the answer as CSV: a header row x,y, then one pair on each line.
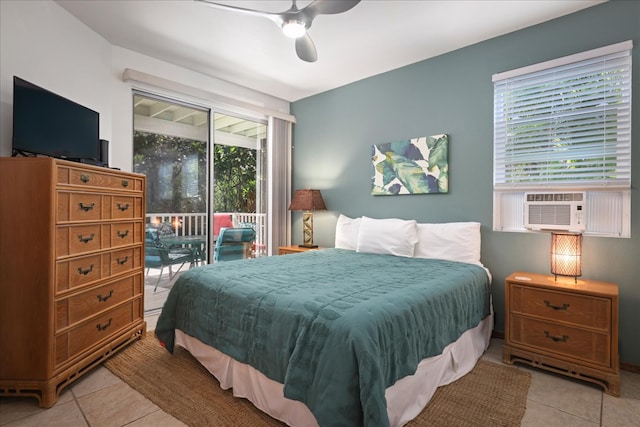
x,y
563,327
284,250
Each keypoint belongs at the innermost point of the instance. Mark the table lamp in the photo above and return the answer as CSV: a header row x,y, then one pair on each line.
x,y
566,255
307,200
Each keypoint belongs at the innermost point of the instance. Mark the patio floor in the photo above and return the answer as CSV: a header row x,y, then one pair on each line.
x,y
153,301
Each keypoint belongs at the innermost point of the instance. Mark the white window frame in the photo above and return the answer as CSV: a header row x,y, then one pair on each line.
x,y
608,189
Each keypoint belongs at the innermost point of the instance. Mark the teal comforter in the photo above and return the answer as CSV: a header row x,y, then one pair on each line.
x,y
336,327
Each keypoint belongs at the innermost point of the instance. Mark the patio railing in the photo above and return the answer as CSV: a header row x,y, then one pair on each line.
x,y
188,224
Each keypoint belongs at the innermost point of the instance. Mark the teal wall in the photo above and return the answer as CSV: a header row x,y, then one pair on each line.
x,y
453,94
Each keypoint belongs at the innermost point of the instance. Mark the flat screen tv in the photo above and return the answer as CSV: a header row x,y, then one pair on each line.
x,y
48,124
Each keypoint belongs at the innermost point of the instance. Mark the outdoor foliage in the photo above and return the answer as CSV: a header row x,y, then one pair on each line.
x,y
176,170
235,179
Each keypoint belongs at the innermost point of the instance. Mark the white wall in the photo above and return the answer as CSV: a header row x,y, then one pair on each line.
x,y
44,44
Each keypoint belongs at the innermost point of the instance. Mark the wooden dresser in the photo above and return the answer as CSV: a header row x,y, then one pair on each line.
x,y
564,327
72,271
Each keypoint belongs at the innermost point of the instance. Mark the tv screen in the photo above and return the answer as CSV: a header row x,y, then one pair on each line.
x,y
48,124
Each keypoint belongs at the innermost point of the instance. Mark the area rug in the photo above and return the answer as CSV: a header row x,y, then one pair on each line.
x,y
490,395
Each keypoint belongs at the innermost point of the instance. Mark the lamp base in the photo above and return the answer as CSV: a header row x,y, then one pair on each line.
x,y
308,246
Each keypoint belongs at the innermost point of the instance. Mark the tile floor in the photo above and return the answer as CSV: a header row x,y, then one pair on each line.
x,y
102,400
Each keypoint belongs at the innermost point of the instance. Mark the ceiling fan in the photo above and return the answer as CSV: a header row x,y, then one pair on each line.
x,y
295,22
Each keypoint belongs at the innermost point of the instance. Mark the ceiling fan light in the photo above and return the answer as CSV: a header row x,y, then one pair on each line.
x,y
294,28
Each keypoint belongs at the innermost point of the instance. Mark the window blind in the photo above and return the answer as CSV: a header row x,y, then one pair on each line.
x,y
565,123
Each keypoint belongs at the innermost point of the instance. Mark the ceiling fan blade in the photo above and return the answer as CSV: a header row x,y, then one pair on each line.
x,y
305,49
275,17
329,7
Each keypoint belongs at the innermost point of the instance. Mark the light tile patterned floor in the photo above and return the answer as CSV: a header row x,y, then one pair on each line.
x,y
102,400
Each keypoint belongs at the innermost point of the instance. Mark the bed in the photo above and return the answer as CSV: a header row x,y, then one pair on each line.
x,y
345,336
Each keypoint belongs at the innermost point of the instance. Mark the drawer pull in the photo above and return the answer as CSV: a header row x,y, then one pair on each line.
x,y
123,207
105,326
123,234
106,297
86,239
563,338
85,272
84,178
556,307
86,208
121,261
125,183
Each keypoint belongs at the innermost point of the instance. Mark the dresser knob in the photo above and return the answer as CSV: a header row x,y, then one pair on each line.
x,y
86,239
563,338
84,272
106,297
556,307
105,326
86,208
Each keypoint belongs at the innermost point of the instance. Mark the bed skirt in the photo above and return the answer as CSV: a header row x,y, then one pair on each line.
x,y
456,360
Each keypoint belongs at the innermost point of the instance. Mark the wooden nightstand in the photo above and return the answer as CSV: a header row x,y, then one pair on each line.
x,y
284,250
564,327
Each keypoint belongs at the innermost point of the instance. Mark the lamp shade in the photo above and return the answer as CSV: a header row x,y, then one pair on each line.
x,y
307,200
566,254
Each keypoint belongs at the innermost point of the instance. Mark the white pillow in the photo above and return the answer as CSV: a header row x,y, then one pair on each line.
x,y
454,241
347,232
387,236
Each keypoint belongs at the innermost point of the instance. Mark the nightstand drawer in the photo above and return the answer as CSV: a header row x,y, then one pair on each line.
x,y
285,250
567,341
580,310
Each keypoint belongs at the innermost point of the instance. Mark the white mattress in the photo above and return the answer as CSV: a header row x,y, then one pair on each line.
x,y
456,360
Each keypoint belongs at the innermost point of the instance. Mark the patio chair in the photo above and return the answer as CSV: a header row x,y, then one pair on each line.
x,y
158,255
233,244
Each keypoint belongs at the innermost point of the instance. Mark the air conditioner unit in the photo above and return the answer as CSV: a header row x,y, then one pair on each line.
x,y
555,211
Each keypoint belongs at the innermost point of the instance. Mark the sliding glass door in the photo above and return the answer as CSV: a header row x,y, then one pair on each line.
x,y
196,185
171,147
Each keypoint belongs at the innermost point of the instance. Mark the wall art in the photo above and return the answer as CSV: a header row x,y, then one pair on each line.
x,y
413,166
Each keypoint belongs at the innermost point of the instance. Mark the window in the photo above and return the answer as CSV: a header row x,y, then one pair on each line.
x,y
566,124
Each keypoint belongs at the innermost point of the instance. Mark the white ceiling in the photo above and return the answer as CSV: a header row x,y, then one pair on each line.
x,y
374,37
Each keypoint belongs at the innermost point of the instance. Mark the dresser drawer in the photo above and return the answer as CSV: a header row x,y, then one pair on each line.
x,y
76,308
125,260
79,239
84,270
89,178
79,206
78,339
579,310
575,343
123,207
124,233
83,207
79,271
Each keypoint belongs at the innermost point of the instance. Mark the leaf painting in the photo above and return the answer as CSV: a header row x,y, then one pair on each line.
x,y
412,166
